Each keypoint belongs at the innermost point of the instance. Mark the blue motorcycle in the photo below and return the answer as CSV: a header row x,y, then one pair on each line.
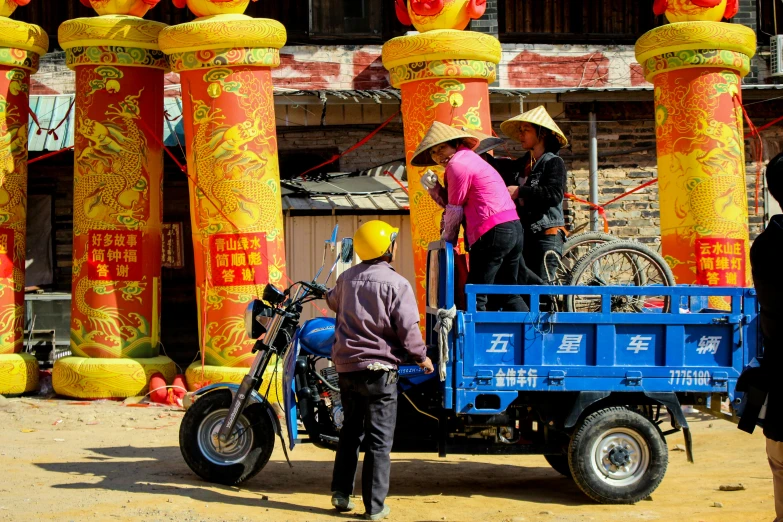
x,y
229,430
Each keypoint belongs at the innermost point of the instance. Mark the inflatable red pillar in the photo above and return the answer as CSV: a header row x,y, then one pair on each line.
x,y
444,75
696,64
21,46
117,208
225,61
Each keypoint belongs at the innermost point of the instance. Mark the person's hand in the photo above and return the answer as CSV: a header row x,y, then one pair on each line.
x,y
319,290
429,180
427,366
513,191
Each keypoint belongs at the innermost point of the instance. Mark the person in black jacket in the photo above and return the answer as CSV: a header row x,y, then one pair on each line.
x,y
765,256
537,183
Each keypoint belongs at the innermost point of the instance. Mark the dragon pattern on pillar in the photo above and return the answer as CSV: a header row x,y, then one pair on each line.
x,y
225,61
696,64
444,75
118,207
21,46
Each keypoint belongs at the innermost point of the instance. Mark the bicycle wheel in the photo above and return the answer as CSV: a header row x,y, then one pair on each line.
x,y
576,247
621,263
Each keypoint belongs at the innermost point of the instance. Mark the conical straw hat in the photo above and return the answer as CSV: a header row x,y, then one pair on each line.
x,y
487,142
537,116
437,134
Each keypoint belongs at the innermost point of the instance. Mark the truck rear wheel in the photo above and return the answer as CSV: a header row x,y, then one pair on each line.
x,y
618,456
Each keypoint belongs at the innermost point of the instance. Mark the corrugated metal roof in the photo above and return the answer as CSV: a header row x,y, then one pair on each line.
x,y
346,193
173,127
52,109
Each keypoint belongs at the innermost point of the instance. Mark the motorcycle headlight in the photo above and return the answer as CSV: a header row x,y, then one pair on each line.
x,y
257,316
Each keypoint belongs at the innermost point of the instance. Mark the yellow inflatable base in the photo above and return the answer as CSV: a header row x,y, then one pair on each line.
x,y
84,378
216,374
18,373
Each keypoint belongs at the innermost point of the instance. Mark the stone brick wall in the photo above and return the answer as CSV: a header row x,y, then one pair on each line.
x,y
387,146
748,16
489,22
53,77
627,126
523,66
623,128
526,66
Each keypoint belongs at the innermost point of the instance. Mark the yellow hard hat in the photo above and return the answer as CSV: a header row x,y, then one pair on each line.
x,y
374,239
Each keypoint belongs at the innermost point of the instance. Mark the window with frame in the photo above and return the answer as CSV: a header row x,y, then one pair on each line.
x,y
770,19
341,18
575,21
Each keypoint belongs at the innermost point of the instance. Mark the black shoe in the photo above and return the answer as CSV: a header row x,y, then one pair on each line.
x,y
342,503
379,516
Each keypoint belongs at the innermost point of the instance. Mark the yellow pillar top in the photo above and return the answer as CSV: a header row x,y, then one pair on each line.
x,y
441,44
441,53
20,35
689,36
223,31
115,30
21,44
689,44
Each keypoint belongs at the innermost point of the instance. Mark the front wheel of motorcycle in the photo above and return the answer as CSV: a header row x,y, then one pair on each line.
x,y
242,456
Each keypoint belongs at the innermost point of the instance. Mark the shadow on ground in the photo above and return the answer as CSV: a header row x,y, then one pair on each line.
x,y
162,471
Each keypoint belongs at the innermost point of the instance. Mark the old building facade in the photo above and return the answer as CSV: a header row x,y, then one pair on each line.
x,y
332,90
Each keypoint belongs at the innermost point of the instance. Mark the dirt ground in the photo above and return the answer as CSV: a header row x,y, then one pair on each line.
x,y
68,460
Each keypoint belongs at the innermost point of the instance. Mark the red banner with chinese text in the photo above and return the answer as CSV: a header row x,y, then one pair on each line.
x,y
6,252
239,259
114,256
720,262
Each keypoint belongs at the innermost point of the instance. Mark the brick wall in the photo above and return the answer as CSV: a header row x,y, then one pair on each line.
x,y
388,145
627,126
489,22
523,66
621,127
748,16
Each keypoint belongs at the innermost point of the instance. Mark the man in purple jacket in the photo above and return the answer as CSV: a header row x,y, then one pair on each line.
x,y
377,325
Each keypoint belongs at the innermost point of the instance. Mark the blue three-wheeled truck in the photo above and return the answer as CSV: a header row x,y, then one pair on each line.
x,y
589,391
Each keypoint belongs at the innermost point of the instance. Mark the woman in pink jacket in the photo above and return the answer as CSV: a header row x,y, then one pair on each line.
x,y
476,193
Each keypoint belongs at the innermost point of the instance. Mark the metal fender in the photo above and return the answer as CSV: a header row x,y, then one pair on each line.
x,y
583,401
672,403
668,400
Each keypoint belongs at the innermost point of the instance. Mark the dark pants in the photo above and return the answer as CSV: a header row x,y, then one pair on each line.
x,y
495,259
370,406
536,246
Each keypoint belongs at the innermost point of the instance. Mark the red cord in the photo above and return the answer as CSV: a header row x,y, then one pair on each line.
x,y
598,208
759,150
392,176
351,148
49,155
601,208
51,131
